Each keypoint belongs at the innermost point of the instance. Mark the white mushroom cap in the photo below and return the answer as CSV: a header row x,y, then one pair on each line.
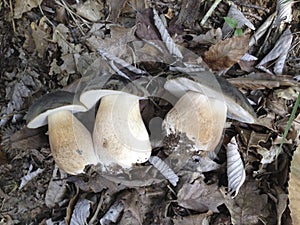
x,y
120,136
237,105
199,117
71,143
48,104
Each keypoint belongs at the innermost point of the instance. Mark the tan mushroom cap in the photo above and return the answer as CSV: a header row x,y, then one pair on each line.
x,y
199,117
120,136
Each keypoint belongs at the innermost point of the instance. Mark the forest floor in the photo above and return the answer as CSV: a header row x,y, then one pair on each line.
x,y
50,45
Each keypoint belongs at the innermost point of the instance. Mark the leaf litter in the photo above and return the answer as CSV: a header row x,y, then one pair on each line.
x,y
67,43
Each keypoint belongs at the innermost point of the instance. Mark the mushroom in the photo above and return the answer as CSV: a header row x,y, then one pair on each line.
x,y
120,136
70,141
200,118
238,107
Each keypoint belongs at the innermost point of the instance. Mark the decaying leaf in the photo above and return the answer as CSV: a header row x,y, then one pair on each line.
x,y
262,30
199,196
284,11
255,81
17,90
165,170
81,212
113,214
22,6
226,53
40,35
199,219
56,188
279,52
29,176
240,18
249,207
165,36
90,10
294,187
235,168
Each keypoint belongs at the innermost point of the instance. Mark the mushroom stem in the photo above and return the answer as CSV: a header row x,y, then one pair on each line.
x,y
71,143
120,136
200,118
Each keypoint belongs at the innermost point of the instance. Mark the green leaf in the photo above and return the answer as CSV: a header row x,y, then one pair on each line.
x,y
238,32
231,22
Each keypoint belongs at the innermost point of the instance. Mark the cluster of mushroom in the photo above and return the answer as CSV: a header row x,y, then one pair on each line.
x,y
119,135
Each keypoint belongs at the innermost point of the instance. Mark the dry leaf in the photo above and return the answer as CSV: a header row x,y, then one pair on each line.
x,y
279,52
249,207
235,168
199,196
262,81
81,212
40,35
22,6
294,187
56,189
200,219
226,53
90,10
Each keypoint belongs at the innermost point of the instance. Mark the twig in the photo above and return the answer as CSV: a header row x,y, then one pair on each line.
x,y
12,12
210,11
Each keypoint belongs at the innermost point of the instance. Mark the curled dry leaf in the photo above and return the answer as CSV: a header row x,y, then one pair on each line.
x,y
81,212
165,36
279,52
235,168
262,30
284,11
226,53
165,170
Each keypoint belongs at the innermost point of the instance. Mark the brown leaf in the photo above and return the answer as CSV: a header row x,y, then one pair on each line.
x,y
226,53
294,187
200,197
262,81
249,206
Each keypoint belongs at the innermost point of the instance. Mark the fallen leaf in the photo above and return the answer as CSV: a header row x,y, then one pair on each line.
x,y
81,212
294,187
235,168
40,35
192,219
262,81
249,207
226,53
22,6
56,189
90,10
279,52
199,196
